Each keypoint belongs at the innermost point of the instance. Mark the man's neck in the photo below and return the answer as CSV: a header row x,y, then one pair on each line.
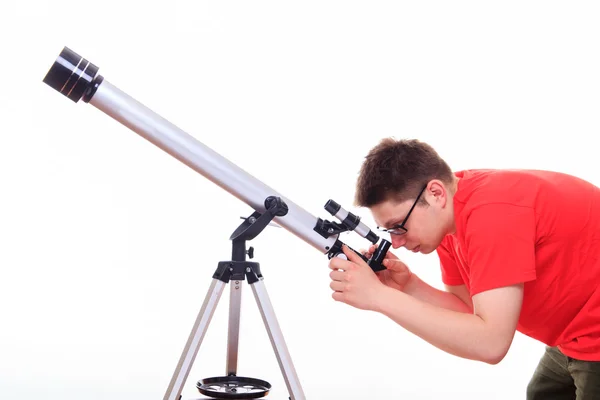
x,y
453,190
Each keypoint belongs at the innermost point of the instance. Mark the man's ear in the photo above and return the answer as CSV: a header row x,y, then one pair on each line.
x,y
437,193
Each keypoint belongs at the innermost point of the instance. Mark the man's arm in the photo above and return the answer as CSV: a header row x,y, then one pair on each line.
x,y
399,276
456,298
485,335
499,246
462,293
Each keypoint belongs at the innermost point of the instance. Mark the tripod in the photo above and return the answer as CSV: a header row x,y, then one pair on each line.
x,y
236,270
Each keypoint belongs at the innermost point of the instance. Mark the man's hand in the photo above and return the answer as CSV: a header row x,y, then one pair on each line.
x,y
354,282
397,275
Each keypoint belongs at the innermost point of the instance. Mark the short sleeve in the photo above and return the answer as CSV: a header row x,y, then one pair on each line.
x,y
450,274
500,246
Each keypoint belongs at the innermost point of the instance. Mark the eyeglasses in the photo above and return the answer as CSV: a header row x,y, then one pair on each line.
x,y
399,229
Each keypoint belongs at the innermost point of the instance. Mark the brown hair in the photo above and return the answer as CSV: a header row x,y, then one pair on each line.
x,y
398,170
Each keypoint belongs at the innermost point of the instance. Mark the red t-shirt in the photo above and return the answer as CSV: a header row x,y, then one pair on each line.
x,y
540,228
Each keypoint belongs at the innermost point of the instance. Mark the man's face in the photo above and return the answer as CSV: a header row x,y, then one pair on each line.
x,y
426,225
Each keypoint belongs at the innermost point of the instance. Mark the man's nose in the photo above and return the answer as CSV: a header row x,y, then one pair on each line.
x,y
398,241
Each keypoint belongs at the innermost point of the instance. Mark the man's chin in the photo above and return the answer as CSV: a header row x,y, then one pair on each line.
x,y
425,250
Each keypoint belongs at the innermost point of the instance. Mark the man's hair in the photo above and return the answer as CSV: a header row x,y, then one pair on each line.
x,y
398,170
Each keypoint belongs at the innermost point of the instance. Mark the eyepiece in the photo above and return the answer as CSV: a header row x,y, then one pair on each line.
x,y
372,237
73,76
332,207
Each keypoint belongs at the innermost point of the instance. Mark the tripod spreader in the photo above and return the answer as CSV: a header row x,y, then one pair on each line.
x,y
238,271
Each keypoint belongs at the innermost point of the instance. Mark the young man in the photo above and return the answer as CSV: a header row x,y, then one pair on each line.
x,y
519,250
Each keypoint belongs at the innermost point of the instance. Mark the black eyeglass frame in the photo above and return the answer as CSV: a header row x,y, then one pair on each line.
x,y
394,230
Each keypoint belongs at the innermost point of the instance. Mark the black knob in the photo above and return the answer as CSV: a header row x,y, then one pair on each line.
x,y
250,252
276,205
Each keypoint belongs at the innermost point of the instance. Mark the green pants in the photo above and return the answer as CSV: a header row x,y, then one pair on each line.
x,y
558,377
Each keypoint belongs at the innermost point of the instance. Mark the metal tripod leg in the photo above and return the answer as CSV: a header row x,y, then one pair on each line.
x,y
235,303
195,339
277,340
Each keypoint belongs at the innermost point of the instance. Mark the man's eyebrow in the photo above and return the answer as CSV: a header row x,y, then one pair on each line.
x,y
392,222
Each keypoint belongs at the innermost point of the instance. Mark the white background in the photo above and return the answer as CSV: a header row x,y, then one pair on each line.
x,y
108,244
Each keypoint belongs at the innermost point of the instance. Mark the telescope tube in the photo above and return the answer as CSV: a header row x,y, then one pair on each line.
x,y
77,78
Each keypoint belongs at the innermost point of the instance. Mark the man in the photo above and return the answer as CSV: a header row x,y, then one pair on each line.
x,y
518,250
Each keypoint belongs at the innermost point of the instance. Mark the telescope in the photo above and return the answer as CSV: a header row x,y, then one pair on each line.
x,y
78,79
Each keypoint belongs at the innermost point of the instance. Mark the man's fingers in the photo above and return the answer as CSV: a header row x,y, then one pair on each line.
x,y
393,263
337,286
338,263
366,254
337,275
338,296
352,256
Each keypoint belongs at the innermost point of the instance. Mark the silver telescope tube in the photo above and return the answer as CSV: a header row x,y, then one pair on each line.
x,y
77,78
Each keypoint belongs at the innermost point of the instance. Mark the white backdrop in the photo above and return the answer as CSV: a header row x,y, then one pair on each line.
x,y
108,244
